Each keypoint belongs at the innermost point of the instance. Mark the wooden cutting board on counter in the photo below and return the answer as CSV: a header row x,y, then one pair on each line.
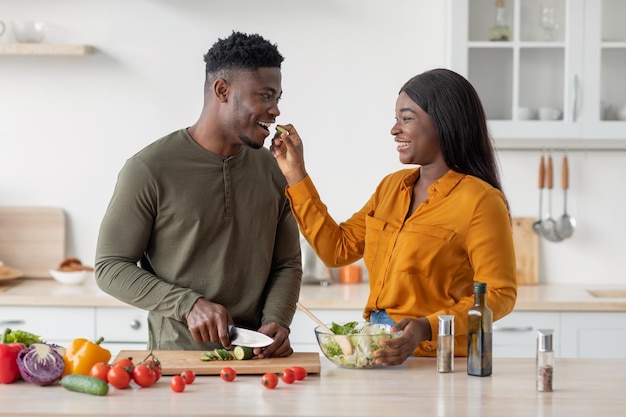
x,y
32,239
526,250
174,362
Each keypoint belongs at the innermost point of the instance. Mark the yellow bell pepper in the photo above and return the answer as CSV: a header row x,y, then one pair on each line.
x,y
81,355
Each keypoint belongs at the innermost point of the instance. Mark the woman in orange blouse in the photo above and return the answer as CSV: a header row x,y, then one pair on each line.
x,y
428,232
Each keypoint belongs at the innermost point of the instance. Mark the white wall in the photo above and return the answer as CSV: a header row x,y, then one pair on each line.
x,y
67,124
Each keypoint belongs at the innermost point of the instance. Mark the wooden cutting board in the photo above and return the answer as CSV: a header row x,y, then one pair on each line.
x,y
32,239
176,361
526,250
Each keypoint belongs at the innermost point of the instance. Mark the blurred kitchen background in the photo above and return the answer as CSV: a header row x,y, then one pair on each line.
x,y
68,123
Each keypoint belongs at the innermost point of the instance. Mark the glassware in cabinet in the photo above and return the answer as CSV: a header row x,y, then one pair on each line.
x,y
565,55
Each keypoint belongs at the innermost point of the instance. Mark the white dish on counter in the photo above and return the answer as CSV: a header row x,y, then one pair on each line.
x,y
70,277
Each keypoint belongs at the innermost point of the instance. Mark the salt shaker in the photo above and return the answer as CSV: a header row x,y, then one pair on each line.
x,y
545,360
445,344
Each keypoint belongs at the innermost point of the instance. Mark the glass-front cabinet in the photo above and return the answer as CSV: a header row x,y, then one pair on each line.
x,y
547,71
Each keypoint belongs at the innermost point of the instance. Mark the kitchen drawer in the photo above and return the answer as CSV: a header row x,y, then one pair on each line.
x,y
54,324
594,335
122,324
516,334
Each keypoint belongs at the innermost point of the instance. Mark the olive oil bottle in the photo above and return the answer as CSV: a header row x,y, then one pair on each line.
x,y
479,333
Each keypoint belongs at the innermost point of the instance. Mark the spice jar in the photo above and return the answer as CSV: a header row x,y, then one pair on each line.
x,y
545,360
445,344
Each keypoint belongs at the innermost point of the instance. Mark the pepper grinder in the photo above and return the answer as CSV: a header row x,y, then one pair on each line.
x,y
545,360
445,344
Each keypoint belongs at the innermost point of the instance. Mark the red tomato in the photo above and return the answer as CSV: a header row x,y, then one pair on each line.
x,y
125,363
269,380
300,372
189,376
155,367
288,376
177,383
100,371
228,374
119,377
143,375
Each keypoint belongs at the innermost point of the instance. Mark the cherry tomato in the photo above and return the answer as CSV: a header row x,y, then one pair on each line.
x,y
119,377
177,383
288,376
143,375
228,374
125,363
155,367
100,371
269,380
157,372
189,376
300,372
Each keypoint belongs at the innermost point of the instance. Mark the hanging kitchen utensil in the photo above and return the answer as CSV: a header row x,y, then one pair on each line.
x,y
537,226
549,224
566,223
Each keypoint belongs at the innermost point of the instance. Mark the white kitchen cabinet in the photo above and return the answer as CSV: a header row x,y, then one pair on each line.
x,y
58,325
578,70
122,328
515,335
593,335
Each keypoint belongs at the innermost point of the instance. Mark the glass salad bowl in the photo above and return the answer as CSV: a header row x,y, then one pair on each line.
x,y
352,345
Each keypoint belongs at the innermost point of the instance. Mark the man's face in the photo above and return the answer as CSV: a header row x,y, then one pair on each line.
x,y
255,104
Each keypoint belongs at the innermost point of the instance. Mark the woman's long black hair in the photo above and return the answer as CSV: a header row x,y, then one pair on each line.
x,y
458,114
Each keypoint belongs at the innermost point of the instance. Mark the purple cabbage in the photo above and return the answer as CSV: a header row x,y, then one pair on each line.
x,y
41,363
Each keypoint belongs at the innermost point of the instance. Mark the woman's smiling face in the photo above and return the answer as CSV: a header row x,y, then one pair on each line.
x,y
415,133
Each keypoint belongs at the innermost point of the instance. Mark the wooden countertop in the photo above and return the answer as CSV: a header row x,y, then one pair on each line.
x,y
47,292
582,387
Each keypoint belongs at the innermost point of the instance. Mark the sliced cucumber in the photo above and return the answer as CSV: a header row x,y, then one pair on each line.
x,y
217,355
243,353
85,384
281,129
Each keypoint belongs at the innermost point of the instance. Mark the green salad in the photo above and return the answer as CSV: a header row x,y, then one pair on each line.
x,y
365,339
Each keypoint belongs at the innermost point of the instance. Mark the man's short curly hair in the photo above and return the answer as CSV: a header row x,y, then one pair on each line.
x,y
242,51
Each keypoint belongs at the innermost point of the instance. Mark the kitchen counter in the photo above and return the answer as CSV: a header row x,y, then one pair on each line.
x,y
47,292
582,387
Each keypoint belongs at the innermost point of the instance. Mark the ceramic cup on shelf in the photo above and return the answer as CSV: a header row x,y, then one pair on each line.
x,y
550,113
526,113
28,31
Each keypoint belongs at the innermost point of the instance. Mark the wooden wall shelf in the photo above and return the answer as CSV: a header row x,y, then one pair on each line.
x,y
44,49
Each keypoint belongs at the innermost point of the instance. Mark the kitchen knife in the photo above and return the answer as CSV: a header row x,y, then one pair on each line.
x,y
249,338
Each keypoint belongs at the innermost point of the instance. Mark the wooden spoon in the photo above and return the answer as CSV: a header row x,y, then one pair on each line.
x,y
342,340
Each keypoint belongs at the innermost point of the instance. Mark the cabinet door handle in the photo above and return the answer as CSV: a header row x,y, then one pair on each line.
x,y
12,323
513,329
575,104
135,324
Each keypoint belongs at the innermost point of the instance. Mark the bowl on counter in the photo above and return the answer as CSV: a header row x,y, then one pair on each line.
x,y
28,31
356,350
71,277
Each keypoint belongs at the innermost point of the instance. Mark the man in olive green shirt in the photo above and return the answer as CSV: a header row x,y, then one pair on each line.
x,y
199,231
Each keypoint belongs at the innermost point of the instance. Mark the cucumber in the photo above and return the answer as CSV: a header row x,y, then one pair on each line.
x,y
243,353
217,355
281,129
84,383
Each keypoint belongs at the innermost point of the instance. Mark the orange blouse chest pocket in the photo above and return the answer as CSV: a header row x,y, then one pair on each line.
x,y
421,249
